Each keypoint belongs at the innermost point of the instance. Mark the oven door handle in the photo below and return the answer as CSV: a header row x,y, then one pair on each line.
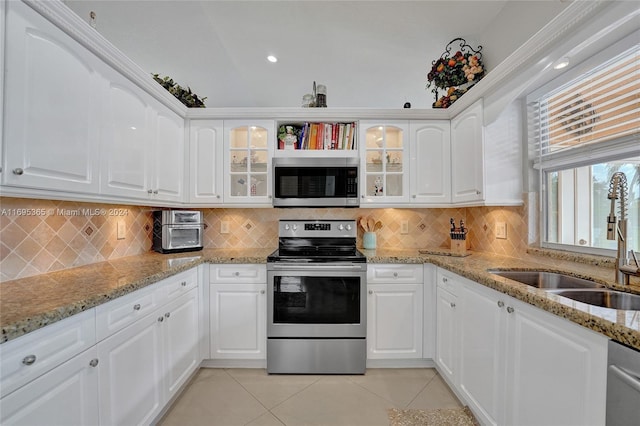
x,y
332,267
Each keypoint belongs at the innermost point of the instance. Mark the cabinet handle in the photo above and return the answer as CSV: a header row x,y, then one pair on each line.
x,y
155,192
136,307
453,305
160,319
262,292
29,360
444,280
18,171
510,309
94,362
500,303
149,191
183,283
167,315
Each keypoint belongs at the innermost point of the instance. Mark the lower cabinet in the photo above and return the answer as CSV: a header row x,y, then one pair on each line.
x,y
518,364
238,311
394,311
144,365
66,395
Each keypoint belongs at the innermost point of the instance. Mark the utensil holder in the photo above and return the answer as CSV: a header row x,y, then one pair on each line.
x,y
369,240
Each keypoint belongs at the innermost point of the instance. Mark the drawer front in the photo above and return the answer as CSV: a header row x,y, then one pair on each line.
x,y
181,283
394,273
119,313
30,356
238,273
447,281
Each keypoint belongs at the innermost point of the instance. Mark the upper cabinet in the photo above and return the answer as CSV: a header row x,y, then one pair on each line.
x,y
248,148
467,156
430,160
384,154
52,125
205,161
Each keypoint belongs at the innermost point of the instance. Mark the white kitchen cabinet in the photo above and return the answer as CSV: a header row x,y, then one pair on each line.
x,y
482,349
394,311
556,370
142,145
238,311
51,127
66,395
429,312
467,155
181,337
131,373
206,161
520,365
248,149
430,165
447,327
384,158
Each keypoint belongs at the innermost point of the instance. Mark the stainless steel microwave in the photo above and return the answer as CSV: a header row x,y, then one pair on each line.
x,y
315,182
177,231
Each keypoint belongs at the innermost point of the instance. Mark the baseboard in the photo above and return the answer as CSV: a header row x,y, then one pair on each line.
x,y
400,363
234,363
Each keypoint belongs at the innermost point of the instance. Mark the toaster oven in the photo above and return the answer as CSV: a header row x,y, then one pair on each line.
x,y
177,231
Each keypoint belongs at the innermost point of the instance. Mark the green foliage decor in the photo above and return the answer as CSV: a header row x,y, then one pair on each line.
x,y
186,96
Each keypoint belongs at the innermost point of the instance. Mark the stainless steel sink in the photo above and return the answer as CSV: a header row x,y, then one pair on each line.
x,y
546,280
603,297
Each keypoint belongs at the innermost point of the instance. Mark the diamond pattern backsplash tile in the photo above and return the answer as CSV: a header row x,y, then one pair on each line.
x,y
39,236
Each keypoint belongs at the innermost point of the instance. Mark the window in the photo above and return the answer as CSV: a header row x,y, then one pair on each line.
x,y
582,132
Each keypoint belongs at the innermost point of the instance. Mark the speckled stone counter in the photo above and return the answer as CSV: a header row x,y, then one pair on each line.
x,y
30,303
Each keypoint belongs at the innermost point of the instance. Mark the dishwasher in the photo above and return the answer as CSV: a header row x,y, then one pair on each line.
x,y
623,385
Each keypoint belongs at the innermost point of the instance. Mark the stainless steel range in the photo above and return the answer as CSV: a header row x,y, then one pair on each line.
x,y
316,306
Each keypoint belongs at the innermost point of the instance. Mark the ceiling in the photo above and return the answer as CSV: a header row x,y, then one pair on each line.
x,y
367,53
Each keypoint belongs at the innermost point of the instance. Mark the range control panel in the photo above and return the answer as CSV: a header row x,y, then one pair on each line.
x,y
317,228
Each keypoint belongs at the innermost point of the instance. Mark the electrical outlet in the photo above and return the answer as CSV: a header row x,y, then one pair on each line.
x,y
404,227
501,230
224,227
121,229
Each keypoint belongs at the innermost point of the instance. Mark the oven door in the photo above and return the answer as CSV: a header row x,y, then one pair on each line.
x,y
317,301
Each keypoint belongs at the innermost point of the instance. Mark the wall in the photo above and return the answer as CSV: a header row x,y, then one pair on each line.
x,y
61,234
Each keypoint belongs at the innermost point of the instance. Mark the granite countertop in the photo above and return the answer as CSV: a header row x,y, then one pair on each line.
x,y
30,303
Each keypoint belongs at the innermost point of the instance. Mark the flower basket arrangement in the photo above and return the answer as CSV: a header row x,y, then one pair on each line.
x,y
186,96
455,73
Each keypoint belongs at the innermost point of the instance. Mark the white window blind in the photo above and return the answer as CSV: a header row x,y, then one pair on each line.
x,y
589,113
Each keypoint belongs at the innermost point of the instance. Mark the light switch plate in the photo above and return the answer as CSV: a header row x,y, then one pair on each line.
x,y
501,230
224,227
122,230
404,227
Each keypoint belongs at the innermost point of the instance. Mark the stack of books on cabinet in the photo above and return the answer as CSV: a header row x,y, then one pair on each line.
x,y
319,136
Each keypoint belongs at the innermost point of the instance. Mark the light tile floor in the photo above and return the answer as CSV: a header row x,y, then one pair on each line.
x,y
230,397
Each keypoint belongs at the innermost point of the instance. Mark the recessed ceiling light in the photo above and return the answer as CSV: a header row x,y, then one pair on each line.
x,y
561,63
272,58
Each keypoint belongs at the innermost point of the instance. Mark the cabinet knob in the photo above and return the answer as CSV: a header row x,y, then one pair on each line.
x,y
18,171
217,196
453,305
29,360
167,315
262,292
370,291
149,191
183,283
414,196
510,309
500,303
237,274
395,275
155,191
478,192
160,319
94,362
444,280
136,307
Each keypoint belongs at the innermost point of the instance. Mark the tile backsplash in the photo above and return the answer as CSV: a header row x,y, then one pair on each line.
x,y
39,236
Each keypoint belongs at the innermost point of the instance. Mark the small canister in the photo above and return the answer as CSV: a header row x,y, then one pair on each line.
x,y
321,100
308,101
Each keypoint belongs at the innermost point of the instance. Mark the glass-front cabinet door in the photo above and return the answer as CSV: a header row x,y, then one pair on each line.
x,y
384,176
248,151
